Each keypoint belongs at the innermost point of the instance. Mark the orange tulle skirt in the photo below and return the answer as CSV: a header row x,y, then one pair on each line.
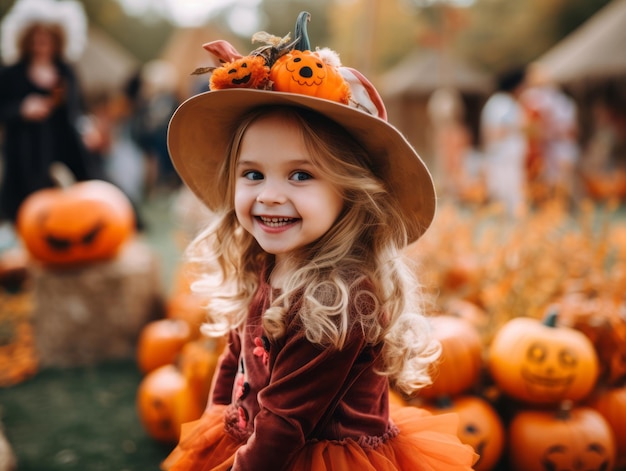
x,y
426,442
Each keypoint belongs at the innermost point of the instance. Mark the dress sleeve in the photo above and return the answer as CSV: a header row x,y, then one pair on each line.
x,y
222,388
304,381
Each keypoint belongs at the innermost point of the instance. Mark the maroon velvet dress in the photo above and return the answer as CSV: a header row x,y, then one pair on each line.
x,y
293,405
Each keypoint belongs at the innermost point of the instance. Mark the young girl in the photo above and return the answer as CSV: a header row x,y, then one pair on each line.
x,y
314,201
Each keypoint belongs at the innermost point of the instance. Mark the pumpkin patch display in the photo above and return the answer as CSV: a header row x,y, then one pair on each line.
x,y
83,222
569,439
542,363
479,426
461,357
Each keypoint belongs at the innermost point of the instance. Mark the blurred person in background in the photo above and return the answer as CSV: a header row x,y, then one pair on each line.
x,y
156,102
41,106
458,167
503,134
553,133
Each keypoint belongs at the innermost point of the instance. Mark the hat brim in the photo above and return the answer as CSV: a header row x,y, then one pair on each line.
x,y
201,129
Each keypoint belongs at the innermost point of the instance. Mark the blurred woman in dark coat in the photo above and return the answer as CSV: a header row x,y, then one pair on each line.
x,y
40,102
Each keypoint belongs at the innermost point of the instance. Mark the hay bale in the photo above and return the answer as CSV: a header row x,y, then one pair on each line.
x,y
89,314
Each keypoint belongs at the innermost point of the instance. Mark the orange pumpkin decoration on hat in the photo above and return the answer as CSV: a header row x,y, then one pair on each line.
x,y
281,66
246,72
310,73
313,73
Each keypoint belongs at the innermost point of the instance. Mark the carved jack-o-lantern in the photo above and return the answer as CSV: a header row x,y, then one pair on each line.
x,y
85,222
542,363
307,73
479,426
568,440
165,402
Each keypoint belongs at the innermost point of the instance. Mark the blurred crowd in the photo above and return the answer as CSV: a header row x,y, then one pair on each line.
x,y
529,147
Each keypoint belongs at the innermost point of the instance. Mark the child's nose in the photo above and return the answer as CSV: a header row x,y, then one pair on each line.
x,y
271,194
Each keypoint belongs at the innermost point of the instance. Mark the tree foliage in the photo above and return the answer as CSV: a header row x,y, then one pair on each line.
x,y
373,35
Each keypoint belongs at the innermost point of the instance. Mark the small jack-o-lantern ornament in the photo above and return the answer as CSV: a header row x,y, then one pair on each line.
x,y
461,357
310,73
76,223
570,439
246,72
479,426
542,363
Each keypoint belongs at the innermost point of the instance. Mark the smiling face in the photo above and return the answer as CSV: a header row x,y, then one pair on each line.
x,y
281,198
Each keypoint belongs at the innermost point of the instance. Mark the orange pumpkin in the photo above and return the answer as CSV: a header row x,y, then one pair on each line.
x,y
479,426
85,222
542,363
461,357
198,361
579,438
611,403
188,307
160,342
307,73
164,403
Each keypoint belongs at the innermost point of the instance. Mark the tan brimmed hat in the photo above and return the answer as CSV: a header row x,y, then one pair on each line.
x,y
201,129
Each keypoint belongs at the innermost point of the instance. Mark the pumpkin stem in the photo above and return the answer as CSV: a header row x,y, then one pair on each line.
x,y
61,175
550,319
565,410
302,37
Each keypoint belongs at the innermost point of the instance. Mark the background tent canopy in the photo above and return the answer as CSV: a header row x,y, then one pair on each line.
x,y
594,51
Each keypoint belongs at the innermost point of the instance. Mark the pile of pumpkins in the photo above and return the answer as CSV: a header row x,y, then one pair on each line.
x,y
533,331
534,399
177,364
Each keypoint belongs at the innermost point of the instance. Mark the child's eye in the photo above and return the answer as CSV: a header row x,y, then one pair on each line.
x,y
253,175
301,176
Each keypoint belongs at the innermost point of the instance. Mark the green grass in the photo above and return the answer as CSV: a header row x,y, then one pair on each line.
x,y
79,419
